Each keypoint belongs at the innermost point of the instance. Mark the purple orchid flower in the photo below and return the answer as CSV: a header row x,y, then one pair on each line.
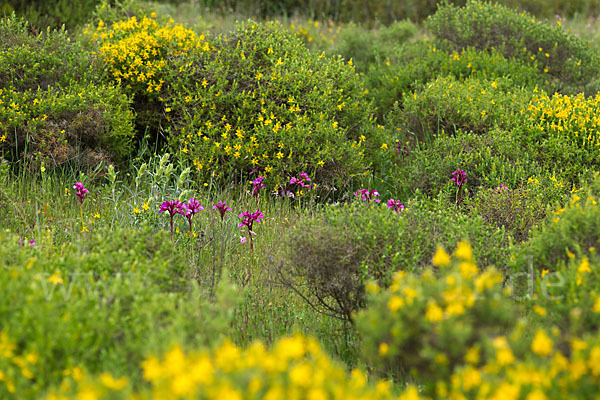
x,y
222,207
172,207
191,208
366,195
460,178
80,191
248,220
395,205
258,184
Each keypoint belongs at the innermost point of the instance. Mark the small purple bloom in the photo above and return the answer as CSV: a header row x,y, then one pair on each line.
x,y
459,177
395,205
501,188
222,207
172,207
248,220
366,195
191,208
80,191
258,184
243,239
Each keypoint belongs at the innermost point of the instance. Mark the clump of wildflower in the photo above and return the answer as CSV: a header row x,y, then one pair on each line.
x,y
31,242
366,195
248,220
257,185
172,207
191,208
501,188
222,207
302,180
402,149
460,178
395,205
80,191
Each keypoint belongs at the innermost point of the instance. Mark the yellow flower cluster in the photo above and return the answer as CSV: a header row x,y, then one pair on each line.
x,y
294,368
137,51
575,118
14,366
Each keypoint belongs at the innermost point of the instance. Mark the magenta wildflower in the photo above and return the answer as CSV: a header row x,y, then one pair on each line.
x,y
172,207
191,208
222,207
501,188
366,195
243,239
258,184
395,205
80,191
402,149
248,220
301,181
460,178
31,242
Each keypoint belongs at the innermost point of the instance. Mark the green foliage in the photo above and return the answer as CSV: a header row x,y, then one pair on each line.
x,y
574,231
409,67
516,210
427,324
571,64
368,47
261,100
476,105
123,295
78,126
50,59
328,258
52,13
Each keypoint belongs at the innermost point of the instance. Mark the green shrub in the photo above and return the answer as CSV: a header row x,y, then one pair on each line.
x,y
52,13
50,59
78,126
516,210
573,231
473,105
489,160
368,47
571,63
427,324
99,308
328,258
407,68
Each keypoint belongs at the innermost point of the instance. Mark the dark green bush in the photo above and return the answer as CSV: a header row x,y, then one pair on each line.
x,y
52,13
367,47
489,160
328,258
517,210
50,59
571,63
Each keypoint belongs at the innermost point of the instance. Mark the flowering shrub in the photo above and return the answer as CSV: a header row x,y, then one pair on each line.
x,y
426,325
261,101
294,366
